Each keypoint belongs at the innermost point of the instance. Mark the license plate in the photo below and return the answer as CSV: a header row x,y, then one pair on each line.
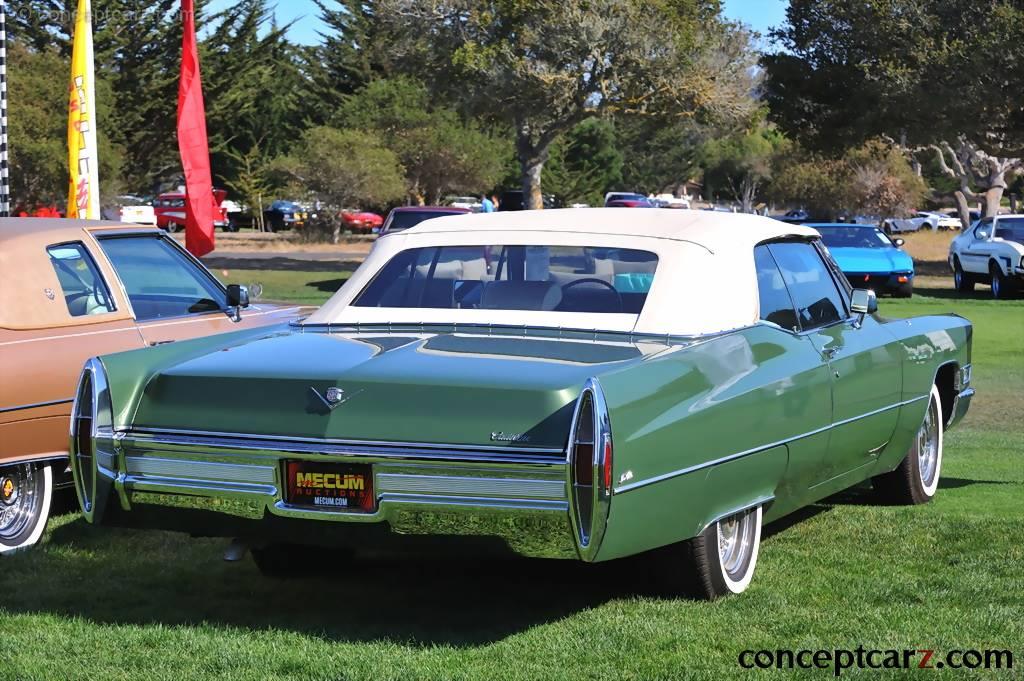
x,y
330,486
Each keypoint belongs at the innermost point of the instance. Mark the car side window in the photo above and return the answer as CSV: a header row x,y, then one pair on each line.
x,y
815,294
776,305
983,232
85,292
160,280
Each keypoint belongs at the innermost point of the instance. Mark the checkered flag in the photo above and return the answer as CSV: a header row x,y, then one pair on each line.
x,y
5,182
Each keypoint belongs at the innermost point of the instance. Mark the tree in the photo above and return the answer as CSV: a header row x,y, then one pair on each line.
x,y
873,179
913,71
585,163
342,168
439,152
38,124
352,54
542,66
742,162
659,153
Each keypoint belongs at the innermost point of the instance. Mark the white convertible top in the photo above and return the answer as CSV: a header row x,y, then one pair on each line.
x,y
704,283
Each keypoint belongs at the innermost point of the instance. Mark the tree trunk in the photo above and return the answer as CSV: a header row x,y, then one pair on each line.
x,y
994,198
1013,203
532,157
963,210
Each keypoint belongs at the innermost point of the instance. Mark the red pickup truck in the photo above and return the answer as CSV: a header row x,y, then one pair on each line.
x,y
170,211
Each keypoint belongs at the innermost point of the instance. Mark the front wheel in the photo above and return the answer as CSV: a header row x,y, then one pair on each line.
x,y
26,491
904,290
916,479
717,562
172,227
1002,286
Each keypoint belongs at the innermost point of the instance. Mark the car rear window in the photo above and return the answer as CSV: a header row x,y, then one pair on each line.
x,y
85,292
537,278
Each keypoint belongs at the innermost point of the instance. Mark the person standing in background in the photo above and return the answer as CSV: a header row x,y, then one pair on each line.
x,y
486,205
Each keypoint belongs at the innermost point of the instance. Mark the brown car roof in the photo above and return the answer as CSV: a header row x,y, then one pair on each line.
x,y
27,278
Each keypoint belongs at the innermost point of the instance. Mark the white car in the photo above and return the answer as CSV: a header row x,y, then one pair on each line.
x,y
470,203
921,220
670,201
990,252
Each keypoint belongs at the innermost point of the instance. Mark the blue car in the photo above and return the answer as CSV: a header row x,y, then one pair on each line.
x,y
869,258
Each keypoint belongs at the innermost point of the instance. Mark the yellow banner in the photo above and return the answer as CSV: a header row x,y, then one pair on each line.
x,y
83,158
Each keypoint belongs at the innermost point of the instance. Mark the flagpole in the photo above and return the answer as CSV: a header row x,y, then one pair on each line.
x,y
5,182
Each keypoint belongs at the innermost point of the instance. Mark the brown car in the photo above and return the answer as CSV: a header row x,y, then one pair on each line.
x,y
70,290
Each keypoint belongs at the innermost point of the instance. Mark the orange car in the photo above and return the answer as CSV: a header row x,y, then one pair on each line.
x,y
73,289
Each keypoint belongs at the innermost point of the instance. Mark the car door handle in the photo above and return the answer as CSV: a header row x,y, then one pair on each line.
x,y
163,342
829,353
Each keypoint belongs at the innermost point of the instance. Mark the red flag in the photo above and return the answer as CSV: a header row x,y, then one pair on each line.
x,y
193,144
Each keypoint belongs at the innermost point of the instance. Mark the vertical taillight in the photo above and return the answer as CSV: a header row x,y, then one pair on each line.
x,y
590,469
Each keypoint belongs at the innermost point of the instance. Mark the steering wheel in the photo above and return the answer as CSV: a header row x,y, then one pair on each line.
x,y
594,280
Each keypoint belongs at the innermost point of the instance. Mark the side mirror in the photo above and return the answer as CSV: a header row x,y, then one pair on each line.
x,y
863,302
899,243
238,297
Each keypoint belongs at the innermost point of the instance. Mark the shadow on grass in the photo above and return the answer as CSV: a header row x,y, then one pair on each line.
x,y
125,577
328,285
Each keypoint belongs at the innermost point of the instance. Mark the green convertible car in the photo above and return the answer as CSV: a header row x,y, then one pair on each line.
x,y
562,383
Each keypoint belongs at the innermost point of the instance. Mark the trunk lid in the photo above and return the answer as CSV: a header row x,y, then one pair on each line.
x,y
424,388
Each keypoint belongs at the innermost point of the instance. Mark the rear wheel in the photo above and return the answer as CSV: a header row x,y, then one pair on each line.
x,y
962,282
26,491
916,479
172,227
718,562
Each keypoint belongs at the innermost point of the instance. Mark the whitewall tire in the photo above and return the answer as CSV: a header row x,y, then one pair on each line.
x,y
26,492
916,479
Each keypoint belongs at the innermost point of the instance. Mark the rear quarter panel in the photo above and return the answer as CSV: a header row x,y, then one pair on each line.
x,y
691,407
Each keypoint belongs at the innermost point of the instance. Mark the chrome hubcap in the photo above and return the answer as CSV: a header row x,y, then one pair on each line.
x,y
928,446
18,500
736,543
958,277
995,285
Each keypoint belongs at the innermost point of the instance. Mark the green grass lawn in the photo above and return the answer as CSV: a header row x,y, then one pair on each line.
x,y
312,287
110,604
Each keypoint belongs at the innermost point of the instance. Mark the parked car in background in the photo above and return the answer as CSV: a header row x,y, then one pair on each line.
x,y
670,201
541,383
795,217
72,290
472,204
170,211
991,252
361,222
284,215
404,217
869,258
921,220
624,196
630,203
135,210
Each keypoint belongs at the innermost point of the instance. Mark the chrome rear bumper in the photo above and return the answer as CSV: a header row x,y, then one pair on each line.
x,y
517,496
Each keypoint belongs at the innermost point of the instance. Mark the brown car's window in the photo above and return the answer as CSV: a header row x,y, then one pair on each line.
x,y
160,280
85,292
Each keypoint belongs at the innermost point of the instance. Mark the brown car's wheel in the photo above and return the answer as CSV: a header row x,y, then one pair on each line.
x,y
718,562
26,491
962,282
916,479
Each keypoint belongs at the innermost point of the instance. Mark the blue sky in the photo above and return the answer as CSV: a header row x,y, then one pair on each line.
x,y
759,14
